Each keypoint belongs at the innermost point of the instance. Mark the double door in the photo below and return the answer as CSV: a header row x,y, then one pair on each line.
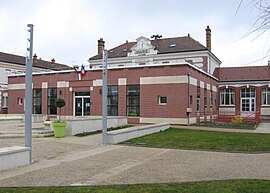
x,y
82,104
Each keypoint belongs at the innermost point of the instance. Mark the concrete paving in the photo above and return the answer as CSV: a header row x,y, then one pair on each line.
x,y
263,127
83,161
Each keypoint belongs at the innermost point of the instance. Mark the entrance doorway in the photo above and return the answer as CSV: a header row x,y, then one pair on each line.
x,y
81,104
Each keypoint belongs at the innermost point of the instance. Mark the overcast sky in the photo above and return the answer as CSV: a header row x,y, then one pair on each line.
x,y
68,30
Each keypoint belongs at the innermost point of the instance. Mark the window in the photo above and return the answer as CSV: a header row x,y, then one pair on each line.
x,y
112,100
248,99
266,96
5,99
162,100
227,97
37,101
211,100
205,100
133,100
198,99
20,101
52,95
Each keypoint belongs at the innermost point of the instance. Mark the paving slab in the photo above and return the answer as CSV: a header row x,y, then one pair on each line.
x,y
83,161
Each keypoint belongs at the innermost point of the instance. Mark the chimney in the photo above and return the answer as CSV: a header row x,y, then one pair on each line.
x,y
101,45
208,38
53,61
35,59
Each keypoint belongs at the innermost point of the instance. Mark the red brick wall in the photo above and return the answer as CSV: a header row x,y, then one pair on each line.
x,y
176,94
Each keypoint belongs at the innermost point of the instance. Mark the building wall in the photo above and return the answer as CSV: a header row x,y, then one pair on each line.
x,y
169,81
236,109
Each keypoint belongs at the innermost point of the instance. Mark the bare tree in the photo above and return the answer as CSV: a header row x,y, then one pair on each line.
x,y
262,23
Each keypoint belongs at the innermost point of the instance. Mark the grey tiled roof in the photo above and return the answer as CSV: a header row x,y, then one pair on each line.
x,y
39,63
182,44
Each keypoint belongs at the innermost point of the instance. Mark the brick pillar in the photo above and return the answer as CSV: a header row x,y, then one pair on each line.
x,y
122,100
237,101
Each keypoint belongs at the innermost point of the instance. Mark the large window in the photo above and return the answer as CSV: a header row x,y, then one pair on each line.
x,y
37,101
266,96
112,100
227,97
52,95
248,99
133,100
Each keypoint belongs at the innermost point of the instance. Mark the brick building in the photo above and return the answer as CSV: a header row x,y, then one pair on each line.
x,y
14,64
148,81
244,91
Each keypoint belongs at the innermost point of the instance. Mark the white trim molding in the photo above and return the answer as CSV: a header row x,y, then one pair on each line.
x,y
122,81
97,82
167,80
201,84
214,88
44,85
16,86
62,84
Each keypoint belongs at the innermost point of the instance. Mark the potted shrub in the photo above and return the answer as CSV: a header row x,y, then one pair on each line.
x,y
59,126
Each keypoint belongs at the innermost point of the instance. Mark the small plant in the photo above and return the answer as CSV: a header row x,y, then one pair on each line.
x,y
238,119
59,104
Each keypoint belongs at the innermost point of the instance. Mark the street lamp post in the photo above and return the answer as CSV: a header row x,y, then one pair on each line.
x,y
28,92
104,98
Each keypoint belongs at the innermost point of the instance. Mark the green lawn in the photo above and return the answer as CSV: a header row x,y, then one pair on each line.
x,y
223,186
206,140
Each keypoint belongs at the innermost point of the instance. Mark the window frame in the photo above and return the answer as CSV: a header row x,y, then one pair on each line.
x,y
133,96
266,92
52,106
112,96
160,102
224,93
34,99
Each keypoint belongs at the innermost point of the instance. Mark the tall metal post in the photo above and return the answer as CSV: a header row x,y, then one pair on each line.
x,y
28,92
104,98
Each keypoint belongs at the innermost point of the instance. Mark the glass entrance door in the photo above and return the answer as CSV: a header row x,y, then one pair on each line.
x,y
78,107
82,104
248,105
248,100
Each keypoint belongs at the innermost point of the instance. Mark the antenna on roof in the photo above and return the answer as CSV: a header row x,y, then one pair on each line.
x,y
156,36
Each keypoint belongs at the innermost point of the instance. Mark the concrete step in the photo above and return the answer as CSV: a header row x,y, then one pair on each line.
x,y
20,134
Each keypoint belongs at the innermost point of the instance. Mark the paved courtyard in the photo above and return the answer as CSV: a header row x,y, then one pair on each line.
x,y
83,161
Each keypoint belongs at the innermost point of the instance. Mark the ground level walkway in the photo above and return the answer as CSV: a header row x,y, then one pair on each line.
x,y
83,161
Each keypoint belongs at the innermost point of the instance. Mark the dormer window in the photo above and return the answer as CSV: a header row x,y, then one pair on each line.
x,y
172,45
125,50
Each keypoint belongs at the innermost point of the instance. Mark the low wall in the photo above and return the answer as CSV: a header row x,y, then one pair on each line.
x,y
118,136
91,124
15,156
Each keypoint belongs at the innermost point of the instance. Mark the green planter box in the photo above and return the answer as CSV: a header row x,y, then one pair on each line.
x,y
59,129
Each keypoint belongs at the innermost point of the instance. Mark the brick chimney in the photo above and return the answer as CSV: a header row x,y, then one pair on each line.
x,y
101,45
208,38
35,59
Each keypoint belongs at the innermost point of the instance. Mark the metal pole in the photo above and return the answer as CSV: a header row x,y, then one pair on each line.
x,y
104,98
28,92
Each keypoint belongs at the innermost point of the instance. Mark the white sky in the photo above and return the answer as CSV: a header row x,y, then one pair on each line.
x,y
68,30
